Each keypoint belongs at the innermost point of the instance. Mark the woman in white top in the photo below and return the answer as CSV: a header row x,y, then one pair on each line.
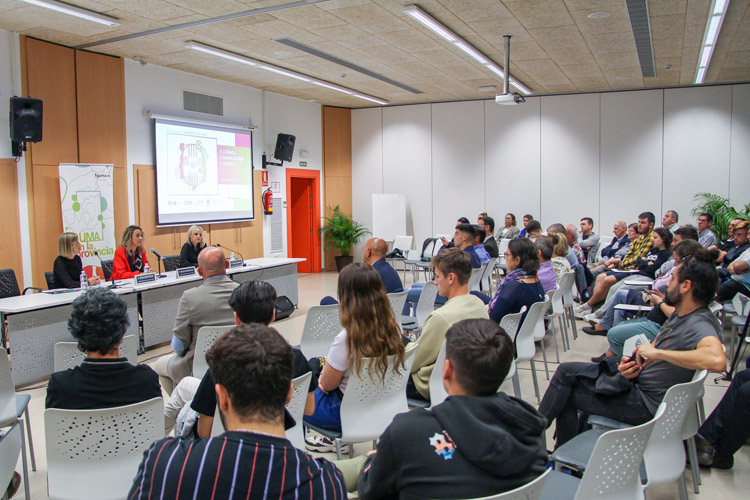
x,y
510,230
370,331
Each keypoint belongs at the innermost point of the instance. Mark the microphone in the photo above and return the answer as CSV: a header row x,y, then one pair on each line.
x,y
161,258
102,263
235,251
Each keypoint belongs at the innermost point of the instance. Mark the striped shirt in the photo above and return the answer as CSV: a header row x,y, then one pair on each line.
x,y
237,464
639,248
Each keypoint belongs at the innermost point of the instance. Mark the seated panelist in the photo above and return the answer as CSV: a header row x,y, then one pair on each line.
x,y
192,247
130,256
67,267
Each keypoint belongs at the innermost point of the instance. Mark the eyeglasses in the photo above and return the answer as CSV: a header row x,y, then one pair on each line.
x,y
508,254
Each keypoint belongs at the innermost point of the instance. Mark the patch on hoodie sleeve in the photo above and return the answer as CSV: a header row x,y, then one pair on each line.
x,y
443,444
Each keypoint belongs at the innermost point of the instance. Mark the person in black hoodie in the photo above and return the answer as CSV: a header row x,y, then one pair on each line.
x,y
478,442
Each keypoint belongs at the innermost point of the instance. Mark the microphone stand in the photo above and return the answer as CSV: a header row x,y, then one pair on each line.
x,y
103,268
159,259
740,345
235,251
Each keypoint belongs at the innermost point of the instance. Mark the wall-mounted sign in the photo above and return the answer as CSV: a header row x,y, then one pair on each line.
x,y
264,178
303,164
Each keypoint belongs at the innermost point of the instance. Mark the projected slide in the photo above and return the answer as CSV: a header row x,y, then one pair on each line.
x,y
203,173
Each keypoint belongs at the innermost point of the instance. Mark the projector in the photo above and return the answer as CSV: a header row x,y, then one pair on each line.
x,y
509,99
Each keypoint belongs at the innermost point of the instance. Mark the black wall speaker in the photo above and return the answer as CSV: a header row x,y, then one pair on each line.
x,y
284,147
25,119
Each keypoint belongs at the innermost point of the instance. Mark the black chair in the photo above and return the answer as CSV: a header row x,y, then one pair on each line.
x,y
9,284
49,276
107,269
172,262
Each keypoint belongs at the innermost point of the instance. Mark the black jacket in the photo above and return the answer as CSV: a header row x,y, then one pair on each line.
x,y
466,447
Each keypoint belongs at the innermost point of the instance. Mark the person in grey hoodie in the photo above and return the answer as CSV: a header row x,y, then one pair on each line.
x,y
478,442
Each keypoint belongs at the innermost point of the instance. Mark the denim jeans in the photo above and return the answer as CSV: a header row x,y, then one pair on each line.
x,y
727,427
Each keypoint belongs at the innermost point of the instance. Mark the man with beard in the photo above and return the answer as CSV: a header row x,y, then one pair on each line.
x,y
689,340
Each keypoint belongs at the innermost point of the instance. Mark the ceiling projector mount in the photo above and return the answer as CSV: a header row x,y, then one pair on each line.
x,y
508,97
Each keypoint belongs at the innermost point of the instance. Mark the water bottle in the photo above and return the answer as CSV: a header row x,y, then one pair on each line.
x,y
147,269
84,281
231,256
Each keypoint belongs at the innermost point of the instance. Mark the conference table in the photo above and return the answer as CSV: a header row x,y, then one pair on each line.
x,y
38,321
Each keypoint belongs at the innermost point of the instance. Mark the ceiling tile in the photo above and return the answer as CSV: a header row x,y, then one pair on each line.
x,y
618,60
590,83
477,10
308,17
535,14
607,43
573,55
581,70
371,18
350,36
666,7
672,26
668,47
559,38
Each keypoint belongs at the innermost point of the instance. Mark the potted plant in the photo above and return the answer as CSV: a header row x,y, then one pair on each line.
x,y
722,212
342,233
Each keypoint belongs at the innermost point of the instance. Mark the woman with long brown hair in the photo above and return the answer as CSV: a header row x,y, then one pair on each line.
x,y
130,257
370,331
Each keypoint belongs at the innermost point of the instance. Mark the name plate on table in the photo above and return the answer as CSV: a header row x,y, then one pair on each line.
x,y
144,278
185,271
235,263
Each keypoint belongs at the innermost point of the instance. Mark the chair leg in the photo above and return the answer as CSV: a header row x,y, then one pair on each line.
x,y
564,326
23,463
516,385
338,449
554,340
536,383
694,468
31,439
544,357
682,486
701,412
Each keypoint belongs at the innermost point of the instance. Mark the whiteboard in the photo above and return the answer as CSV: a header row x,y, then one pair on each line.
x,y
388,216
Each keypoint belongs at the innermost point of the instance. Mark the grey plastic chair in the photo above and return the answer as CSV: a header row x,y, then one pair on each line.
x,y
94,454
10,448
613,471
67,355
510,324
207,335
425,306
296,408
567,282
525,340
397,301
321,327
529,491
556,311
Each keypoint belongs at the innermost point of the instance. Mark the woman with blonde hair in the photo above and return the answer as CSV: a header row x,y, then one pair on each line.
x,y
370,331
68,266
560,256
130,257
192,247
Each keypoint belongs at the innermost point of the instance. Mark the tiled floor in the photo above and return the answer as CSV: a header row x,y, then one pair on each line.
x,y
723,485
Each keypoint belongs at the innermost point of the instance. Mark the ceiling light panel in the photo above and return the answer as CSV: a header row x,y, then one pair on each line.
x,y
231,56
711,34
436,27
72,10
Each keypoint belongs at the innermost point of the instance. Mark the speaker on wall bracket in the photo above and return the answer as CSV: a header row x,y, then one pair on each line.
x,y
284,150
25,120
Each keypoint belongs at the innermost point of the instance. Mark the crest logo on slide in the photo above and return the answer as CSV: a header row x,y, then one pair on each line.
x,y
192,169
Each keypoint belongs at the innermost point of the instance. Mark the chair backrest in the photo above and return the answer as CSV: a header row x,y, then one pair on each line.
x,y
511,322
555,298
426,302
67,355
93,454
8,413
692,420
613,469
741,304
321,327
8,284
604,242
296,408
437,391
172,262
397,300
207,335
529,491
567,280
665,454
369,405
486,278
49,277
10,448
403,243
525,348
476,276
502,246
107,269
413,255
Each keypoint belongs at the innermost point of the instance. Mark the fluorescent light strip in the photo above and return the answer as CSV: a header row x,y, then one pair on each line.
x,y
78,12
711,34
231,56
435,26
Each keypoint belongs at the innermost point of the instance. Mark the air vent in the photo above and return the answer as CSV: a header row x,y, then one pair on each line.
x,y
202,103
639,22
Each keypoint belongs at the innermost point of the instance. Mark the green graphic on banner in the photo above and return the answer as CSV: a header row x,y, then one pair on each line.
x,y
86,199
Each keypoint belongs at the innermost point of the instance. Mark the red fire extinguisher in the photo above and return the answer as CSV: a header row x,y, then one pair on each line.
x,y
267,202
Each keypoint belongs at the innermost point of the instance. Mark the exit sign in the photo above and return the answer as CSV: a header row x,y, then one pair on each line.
x,y
303,164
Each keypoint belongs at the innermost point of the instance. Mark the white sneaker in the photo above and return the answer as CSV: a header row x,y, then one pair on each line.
x,y
600,312
592,318
582,310
320,444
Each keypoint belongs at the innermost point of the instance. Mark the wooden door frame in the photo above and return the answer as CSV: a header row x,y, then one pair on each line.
x,y
314,175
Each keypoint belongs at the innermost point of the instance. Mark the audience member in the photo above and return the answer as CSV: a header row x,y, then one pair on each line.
x,y
560,229
450,244
689,340
546,273
729,242
252,366
486,442
369,330
706,237
510,230
533,227
452,271
479,248
526,219
130,257
98,321
205,305
490,243
620,239
740,243
463,239
192,247
669,221
521,287
560,251
588,240
67,267
571,233
623,247
739,281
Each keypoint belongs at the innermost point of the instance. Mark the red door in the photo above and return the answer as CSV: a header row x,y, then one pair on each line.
x,y
301,231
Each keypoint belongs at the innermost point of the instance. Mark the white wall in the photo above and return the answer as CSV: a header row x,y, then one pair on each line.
x,y
160,89
608,156
6,90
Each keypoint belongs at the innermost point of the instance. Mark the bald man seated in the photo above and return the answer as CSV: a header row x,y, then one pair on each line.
x,y
374,254
204,305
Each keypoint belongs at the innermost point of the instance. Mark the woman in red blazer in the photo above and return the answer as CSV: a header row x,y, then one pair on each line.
x,y
130,256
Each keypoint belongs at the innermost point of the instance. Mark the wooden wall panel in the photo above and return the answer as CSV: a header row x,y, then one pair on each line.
x,y
48,216
167,240
337,165
51,77
10,243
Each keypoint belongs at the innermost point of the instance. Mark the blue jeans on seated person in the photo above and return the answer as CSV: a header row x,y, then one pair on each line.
x,y
622,332
613,317
327,410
